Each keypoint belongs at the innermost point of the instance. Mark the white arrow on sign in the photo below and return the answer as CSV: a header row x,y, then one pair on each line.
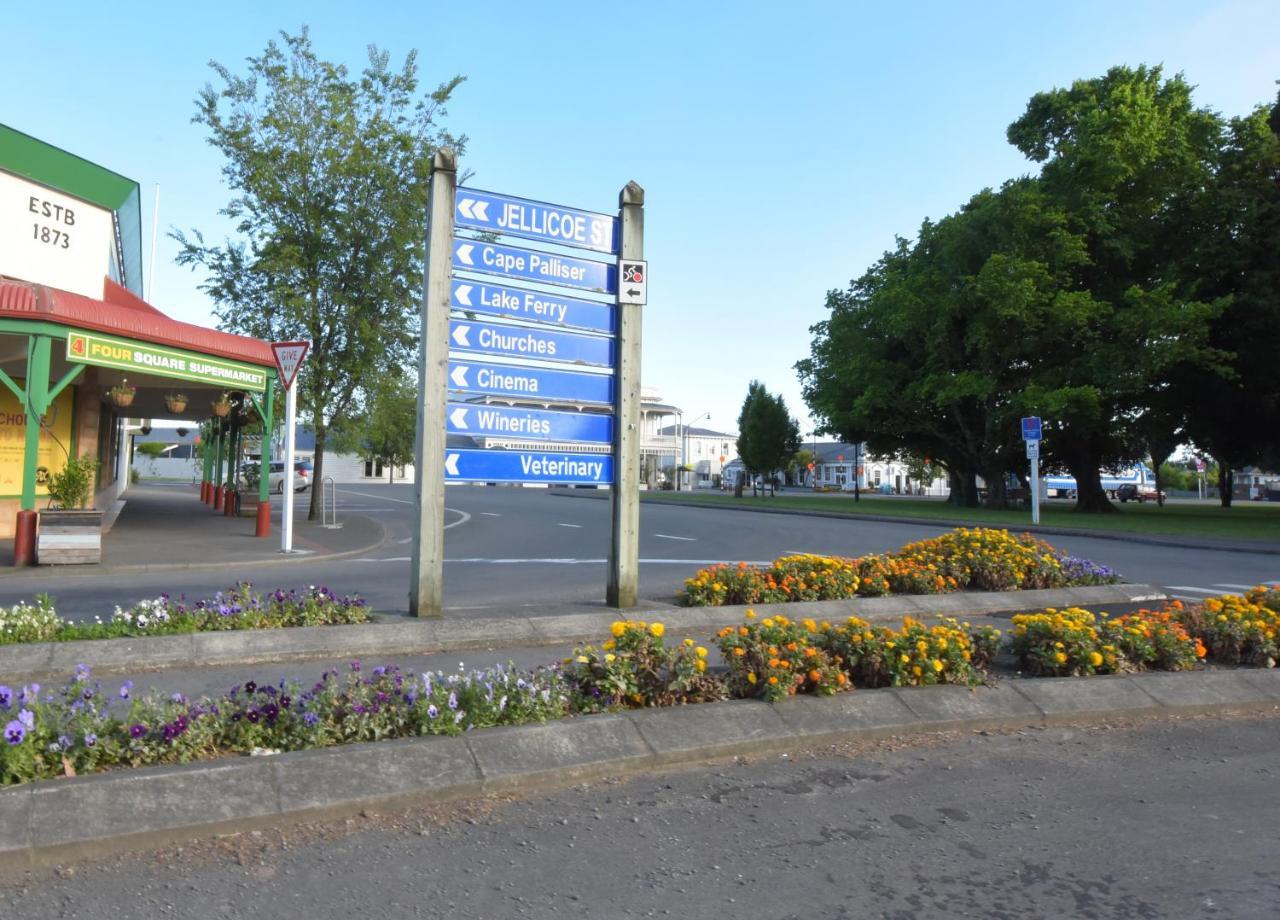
x,y
464,254
463,293
451,464
459,376
472,209
459,418
459,335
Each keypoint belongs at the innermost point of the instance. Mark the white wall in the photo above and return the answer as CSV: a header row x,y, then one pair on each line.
x,y
166,467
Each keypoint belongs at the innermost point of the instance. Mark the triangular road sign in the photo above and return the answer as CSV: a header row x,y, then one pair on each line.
x,y
289,357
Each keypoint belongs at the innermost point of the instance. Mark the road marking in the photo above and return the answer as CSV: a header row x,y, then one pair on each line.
x,y
667,536
1241,587
381,498
490,514
575,526
405,540
477,560
1191,588
462,520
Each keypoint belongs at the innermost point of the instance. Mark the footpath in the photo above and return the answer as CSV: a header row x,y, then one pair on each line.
x,y
55,821
167,528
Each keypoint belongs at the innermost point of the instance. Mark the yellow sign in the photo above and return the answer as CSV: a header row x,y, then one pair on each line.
x,y
55,440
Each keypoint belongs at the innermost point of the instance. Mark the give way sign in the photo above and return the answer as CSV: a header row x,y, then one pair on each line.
x,y
289,357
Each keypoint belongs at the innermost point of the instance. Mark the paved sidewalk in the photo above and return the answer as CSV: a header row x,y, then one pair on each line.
x,y
168,527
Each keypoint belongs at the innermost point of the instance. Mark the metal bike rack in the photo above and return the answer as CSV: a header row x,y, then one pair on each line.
x,y
329,508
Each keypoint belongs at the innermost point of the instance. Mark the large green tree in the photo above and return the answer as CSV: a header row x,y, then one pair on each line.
x,y
768,437
329,177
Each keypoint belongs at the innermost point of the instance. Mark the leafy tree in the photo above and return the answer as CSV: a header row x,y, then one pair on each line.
x,y
768,436
329,176
152,449
384,432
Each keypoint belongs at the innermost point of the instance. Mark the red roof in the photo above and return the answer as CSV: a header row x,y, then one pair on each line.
x,y
124,314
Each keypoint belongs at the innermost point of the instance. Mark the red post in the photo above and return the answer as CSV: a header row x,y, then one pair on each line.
x,y
263,527
217,497
229,502
24,539
204,491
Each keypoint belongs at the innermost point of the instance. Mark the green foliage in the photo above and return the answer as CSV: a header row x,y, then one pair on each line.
x,y
152,449
768,436
329,176
72,486
386,429
1078,295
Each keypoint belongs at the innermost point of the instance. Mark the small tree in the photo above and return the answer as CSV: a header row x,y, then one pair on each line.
x,y
385,432
768,436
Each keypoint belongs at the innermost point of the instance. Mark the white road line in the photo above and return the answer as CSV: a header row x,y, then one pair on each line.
x,y
462,520
1241,587
490,514
667,536
389,559
567,561
1191,588
574,526
405,540
381,498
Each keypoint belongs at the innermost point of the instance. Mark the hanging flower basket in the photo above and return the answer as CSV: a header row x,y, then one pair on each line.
x,y
121,395
176,403
221,407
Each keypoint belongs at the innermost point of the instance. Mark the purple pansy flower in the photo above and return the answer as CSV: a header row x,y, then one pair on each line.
x,y
15,732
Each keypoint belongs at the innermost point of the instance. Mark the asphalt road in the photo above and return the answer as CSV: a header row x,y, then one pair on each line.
x,y
1169,819
512,550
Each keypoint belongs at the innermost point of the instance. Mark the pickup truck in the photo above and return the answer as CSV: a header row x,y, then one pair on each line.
x,y
1139,492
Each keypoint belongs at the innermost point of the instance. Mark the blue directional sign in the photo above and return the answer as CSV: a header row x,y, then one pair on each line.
x,y
527,342
532,424
532,265
530,383
536,306
535,220
527,466
1031,428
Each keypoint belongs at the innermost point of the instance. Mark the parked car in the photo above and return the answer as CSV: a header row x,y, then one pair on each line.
x,y
302,475
1139,492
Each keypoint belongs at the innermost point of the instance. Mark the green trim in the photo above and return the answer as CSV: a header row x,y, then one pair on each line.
x,y
16,390
33,159
35,405
236,371
67,378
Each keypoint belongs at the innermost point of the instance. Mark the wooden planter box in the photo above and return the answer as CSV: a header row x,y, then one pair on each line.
x,y
69,537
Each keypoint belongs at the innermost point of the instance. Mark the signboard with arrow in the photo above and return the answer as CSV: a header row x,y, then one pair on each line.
x,y
632,281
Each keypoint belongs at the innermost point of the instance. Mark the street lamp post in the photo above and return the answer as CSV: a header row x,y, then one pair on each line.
x,y
857,471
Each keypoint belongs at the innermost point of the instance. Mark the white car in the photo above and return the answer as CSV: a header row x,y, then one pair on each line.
x,y
302,474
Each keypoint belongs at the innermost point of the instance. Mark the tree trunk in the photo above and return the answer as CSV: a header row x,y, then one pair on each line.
x,y
964,487
317,471
997,490
1226,482
1090,497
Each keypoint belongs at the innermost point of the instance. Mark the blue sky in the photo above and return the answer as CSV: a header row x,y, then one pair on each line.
x,y
781,146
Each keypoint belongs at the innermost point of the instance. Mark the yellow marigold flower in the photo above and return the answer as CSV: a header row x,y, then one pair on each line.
x,y
610,658
917,671
937,665
609,645
583,659
657,629
700,651
739,652
1095,659
618,628
701,665
811,625
767,621
750,614
751,677
1060,657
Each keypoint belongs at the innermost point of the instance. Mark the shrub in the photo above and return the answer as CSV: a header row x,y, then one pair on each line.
x,y
79,728
773,658
35,622
1237,629
1072,642
635,668
975,559
916,655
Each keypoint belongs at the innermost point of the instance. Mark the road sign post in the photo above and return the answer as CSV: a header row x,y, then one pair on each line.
x,y
289,356
426,588
1031,431
623,586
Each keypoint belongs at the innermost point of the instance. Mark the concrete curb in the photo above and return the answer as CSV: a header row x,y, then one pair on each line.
x,y
51,821
57,660
1172,540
